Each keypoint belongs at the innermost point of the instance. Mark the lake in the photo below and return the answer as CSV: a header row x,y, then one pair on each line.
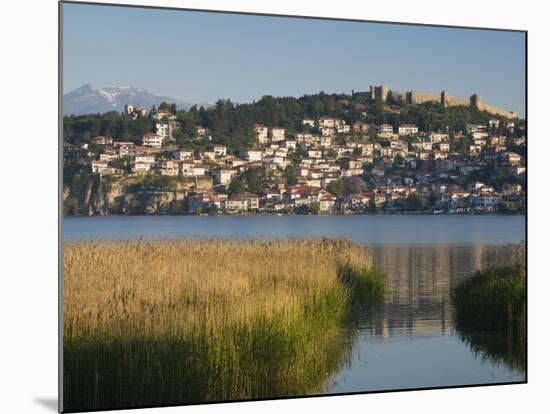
x,y
410,340
380,229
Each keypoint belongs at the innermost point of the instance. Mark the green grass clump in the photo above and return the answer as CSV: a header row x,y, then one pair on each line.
x,y
494,299
366,283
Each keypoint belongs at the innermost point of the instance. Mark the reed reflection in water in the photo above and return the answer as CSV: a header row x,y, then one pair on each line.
x,y
410,340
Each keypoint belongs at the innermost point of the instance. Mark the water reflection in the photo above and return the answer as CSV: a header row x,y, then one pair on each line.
x,y
410,341
421,279
496,349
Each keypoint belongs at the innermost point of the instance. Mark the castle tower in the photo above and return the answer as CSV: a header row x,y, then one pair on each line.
x,y
444,98
475,101
372,93
412,99
384,92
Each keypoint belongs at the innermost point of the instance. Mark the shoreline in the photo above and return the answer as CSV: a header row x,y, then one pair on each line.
x,y
416,245
301,215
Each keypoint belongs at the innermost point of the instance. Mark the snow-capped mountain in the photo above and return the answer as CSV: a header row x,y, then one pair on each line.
x,y
88,99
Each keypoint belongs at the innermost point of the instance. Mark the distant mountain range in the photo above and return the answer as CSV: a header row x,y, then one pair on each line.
x,y
90,100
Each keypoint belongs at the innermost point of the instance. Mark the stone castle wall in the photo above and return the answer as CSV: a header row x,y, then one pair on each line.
x,y
443,98
399,95
497,111
455,101
421,97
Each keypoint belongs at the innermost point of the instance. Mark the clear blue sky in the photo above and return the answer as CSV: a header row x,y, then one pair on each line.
x,y
198,57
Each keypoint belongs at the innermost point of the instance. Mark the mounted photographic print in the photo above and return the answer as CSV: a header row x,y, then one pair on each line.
x,y
259,207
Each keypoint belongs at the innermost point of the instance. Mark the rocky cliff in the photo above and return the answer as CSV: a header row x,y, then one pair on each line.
x,y
95,195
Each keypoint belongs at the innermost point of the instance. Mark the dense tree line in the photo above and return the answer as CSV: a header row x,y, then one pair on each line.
x,y
232,124
79,129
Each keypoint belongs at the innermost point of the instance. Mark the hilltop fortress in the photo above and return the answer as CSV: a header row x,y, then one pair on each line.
x,y
414,97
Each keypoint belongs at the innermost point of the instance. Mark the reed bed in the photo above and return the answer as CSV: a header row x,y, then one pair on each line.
x,y
151,323
508,255
495,297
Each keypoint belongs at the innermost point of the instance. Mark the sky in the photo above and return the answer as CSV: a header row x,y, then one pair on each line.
x,y
202,57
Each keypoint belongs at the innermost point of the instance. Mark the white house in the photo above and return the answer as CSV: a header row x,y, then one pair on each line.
x,y
479,135
183,155
343,129
427,146
326,201
108,156
102,140
314,153
367,149
99,167
309,122
126,149
220,150
201,131
163,130
223,175
485,201
304,138
397,144
152,140
253,155
408,129
190,169
234,162
149,159
385,129
128,109
275,160
510,158
326,141
289,144
141,167
170,167
326,122
361,127
436,137
277,134
444,146
476,128
242,202
326,131
386,152
162,114
262,132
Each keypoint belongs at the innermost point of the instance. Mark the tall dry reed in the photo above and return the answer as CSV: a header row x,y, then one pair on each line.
x,y
169,322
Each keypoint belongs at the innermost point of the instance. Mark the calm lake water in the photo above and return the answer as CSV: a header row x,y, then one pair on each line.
x,y
364,229
410,340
